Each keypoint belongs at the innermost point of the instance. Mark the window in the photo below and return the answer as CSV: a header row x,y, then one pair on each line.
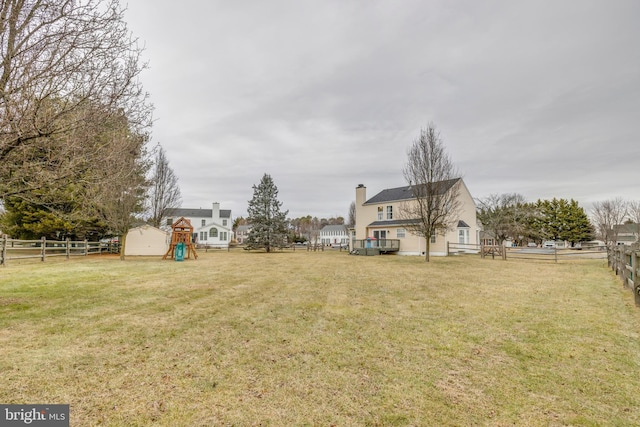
x,y
389,212
379,213
213,232
433,238
223,236
204,222
224,222
203,235
169,222
463,235
400,233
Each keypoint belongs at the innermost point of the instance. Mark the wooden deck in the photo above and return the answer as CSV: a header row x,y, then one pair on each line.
x,y
375,247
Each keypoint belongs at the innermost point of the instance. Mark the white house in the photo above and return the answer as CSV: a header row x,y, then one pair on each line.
x,y
147,240
334,235
212,227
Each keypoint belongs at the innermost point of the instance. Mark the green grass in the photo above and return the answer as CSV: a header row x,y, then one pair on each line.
x,y
321,339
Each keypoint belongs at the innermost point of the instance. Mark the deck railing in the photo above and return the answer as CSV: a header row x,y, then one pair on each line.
x,y
384,245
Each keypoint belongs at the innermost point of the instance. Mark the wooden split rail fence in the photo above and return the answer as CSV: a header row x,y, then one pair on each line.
x,y
13,249
540,254
625,261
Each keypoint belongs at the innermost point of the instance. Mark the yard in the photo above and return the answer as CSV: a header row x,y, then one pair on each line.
x,y
321,338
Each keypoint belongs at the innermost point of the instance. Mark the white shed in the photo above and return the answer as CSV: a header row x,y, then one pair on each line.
x,y
147,240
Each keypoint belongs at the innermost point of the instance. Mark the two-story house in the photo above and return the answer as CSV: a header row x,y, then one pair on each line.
x,y
334,235
242,233
381,218
212,227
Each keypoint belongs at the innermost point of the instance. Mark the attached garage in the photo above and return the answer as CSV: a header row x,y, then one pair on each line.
x,y
147,240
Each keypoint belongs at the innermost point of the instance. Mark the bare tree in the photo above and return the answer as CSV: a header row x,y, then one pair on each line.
x,y
503,215
434,184
633,211
122,199
65,65
314,230
352,214
606,216
164,192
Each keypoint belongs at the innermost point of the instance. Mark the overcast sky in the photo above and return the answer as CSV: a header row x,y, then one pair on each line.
x,y
537,97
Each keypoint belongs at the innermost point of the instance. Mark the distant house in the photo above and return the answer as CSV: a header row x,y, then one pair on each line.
x,y
242,233
628,234
212,227
377,220
147,240
334,235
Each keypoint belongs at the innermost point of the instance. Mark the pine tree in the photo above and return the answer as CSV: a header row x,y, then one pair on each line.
x,y
268,222
580,229
561,219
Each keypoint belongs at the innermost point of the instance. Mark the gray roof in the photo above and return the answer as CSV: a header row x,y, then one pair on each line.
x,y
627,228
199,213
406,193
393,222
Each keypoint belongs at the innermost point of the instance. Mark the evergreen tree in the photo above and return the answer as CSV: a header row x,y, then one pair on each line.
x,y
580,228
561,219
268,222
27,220
104,189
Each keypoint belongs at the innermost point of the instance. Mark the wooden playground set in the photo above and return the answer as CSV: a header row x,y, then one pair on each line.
x,y
181,241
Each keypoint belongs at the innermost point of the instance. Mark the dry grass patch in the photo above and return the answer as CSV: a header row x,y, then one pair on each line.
x,y
321,339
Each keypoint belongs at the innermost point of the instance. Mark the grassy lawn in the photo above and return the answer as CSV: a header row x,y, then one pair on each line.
x,y
321,339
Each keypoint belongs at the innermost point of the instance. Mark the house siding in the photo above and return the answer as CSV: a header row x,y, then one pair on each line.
x,y
368,222
334,235
203,220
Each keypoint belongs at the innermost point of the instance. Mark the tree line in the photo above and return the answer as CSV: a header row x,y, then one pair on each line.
x,y
509,217
74,123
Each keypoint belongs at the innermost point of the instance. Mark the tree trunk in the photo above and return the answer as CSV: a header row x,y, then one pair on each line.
x,y
123,240
427,248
